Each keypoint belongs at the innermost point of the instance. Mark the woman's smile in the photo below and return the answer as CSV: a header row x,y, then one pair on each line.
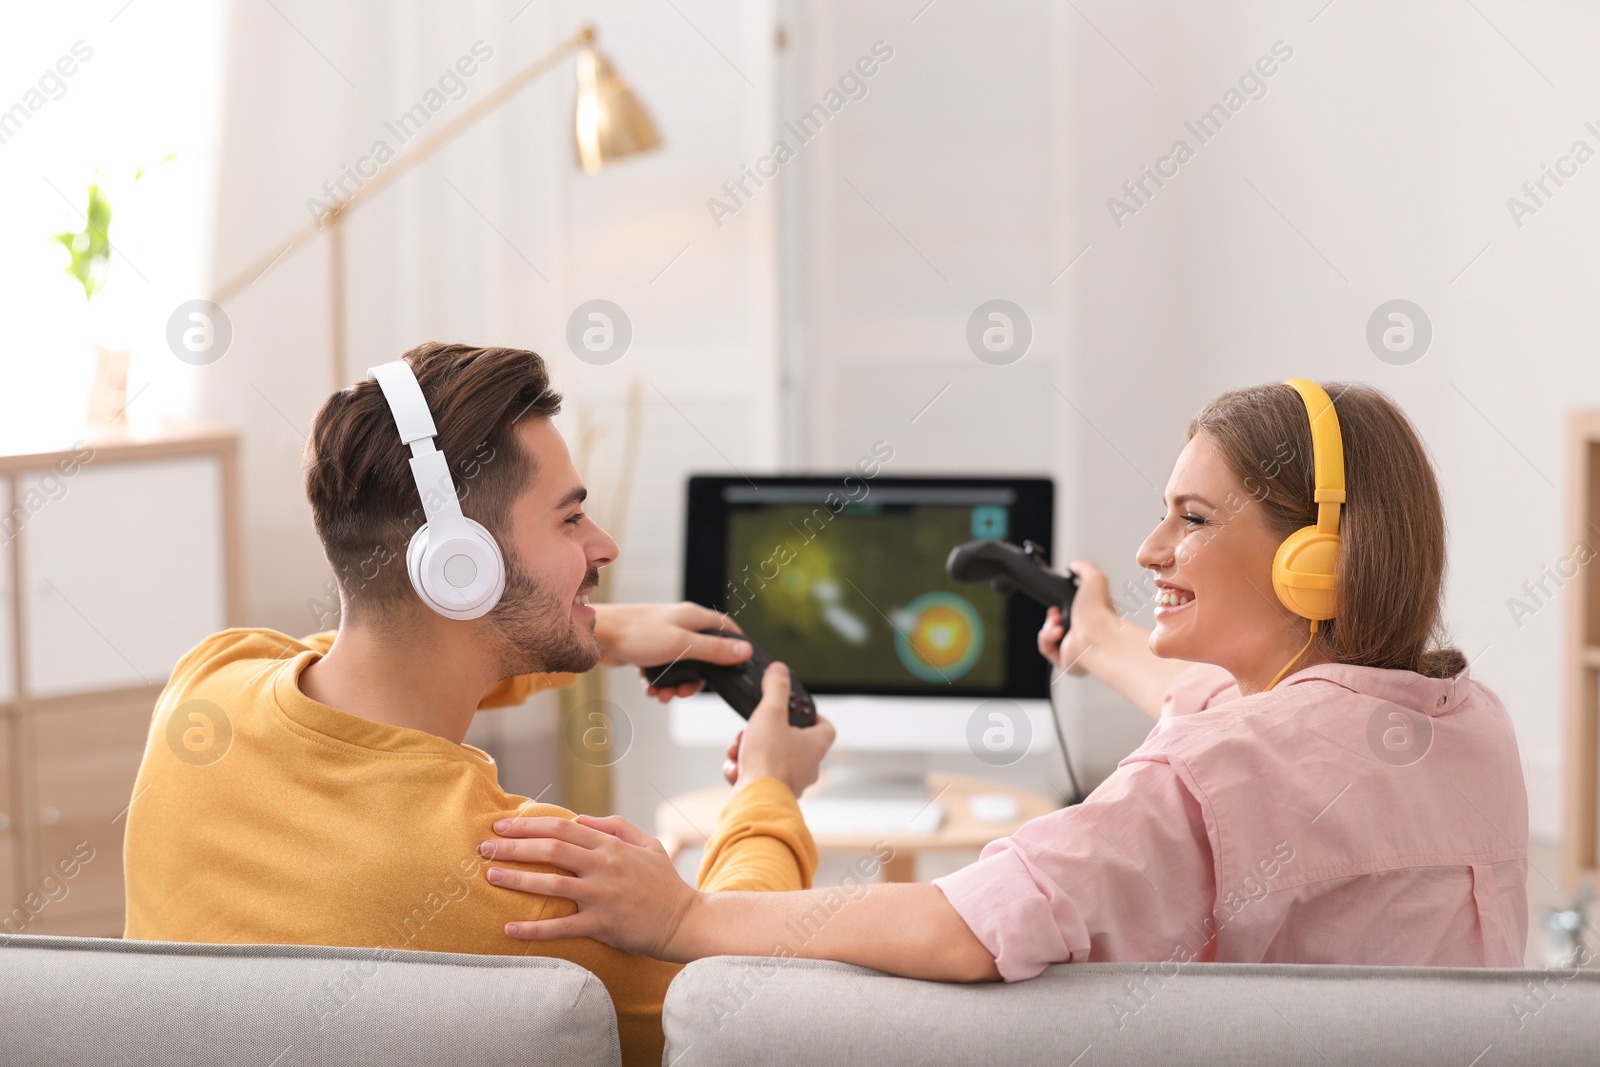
x,y
1166,607
1171,598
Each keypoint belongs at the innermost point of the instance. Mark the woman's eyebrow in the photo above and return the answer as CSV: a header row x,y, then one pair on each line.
x,y
1196,497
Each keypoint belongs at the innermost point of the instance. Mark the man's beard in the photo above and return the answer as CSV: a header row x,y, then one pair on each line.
x,y
534,627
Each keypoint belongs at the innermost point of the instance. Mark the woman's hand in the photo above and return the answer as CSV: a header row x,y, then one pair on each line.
x,y
1103,643
629,896
1094,619
628,893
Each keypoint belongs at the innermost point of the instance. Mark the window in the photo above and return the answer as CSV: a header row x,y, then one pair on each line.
x,y
113,86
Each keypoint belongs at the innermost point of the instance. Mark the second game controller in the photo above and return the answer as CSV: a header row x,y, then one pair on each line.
x,y
737,683
1011,569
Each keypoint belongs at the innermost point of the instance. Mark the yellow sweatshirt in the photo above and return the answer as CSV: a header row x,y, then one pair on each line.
x,y
263,817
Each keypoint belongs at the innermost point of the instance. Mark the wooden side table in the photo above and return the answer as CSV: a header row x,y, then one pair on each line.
x,y
689,818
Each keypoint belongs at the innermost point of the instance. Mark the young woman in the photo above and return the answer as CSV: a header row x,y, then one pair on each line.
x,y
1324,784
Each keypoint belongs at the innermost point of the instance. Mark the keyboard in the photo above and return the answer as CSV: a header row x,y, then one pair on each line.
x,y
872,816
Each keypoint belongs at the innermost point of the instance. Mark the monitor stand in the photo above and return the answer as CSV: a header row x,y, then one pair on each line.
x,y
872,795
897,728
872,775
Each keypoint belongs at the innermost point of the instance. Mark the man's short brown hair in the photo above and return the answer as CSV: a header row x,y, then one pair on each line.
x,y
364,500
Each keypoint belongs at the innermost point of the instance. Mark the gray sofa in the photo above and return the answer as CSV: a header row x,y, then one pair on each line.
x,y
744,1010
69,1001
83,1001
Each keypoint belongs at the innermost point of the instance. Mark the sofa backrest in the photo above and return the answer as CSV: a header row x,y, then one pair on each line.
x,y
71,1001
743,1010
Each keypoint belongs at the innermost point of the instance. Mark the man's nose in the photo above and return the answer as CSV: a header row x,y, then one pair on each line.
x,y
603,551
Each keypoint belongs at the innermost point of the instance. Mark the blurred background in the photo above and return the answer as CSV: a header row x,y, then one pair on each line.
x,y
997,151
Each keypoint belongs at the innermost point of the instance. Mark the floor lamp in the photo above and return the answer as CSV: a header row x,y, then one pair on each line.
x,y
608,124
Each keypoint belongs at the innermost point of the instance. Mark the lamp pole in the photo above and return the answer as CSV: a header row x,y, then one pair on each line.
x,y
333,220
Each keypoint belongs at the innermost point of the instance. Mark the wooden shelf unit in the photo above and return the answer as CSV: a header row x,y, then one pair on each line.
x,y
1580,841
107,574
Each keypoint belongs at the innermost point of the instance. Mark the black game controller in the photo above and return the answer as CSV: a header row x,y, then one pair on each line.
x,y
739,683
1011,569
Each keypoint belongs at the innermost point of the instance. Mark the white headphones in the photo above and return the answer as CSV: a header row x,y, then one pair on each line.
x,y
455,565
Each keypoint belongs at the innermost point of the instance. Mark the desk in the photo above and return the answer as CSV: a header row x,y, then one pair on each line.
x,y
686,819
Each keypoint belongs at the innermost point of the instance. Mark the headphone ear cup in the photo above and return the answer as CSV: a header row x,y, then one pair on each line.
x,y
453,595
1304,573
414,551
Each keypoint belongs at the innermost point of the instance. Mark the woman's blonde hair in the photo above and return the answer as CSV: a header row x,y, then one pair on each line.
x,y
1392,530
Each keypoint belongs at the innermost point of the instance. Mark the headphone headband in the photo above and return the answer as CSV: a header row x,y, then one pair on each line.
x,y
1327,452
406,402
415,423
454,563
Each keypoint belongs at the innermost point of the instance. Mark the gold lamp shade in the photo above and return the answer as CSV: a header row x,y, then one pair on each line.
x,y
608,122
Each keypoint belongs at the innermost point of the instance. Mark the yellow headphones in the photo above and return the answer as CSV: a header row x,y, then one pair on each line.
x,y
1306,565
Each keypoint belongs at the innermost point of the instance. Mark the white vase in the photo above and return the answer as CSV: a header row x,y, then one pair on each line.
x,y
108,390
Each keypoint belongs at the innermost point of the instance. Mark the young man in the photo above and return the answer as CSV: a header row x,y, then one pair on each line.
x,y
317,791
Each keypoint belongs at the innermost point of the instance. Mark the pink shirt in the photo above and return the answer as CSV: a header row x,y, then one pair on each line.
x,y
1349,815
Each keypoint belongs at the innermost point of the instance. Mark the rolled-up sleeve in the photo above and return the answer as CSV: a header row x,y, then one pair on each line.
x,y
1126,875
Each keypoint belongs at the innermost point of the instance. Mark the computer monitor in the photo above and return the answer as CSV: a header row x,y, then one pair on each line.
x,y
843,578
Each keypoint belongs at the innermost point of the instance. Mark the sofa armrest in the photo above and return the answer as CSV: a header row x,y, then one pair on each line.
x,y
72,1001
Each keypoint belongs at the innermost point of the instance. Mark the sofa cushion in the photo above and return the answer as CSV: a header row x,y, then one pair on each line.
x,y
100,1001
742,1010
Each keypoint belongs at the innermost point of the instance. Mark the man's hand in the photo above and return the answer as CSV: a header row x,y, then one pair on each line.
x,y
768,747
647,635
628,893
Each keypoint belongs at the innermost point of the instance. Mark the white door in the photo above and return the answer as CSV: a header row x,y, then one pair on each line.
x,y
122,572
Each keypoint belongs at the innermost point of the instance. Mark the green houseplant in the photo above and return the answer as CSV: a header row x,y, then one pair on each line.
x,y
89,253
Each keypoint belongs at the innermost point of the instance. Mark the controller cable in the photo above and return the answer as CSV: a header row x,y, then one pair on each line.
x,y
1066,759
